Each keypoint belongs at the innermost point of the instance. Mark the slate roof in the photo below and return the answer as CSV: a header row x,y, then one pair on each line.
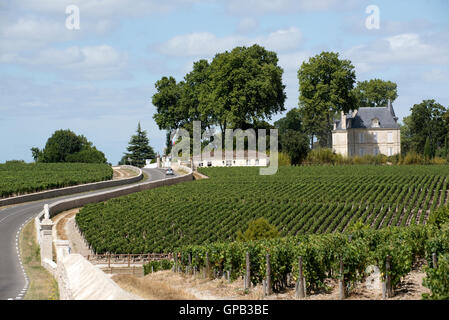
x,y
364,118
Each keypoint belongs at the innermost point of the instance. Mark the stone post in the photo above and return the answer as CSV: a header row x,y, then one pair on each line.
x,y
46,237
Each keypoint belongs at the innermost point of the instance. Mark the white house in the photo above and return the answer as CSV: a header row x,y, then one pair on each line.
x,y
232,159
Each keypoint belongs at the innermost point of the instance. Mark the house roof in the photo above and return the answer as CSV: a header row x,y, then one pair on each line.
x,y
364,117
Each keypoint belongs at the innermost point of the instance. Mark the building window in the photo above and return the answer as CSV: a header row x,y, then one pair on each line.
x,y
361,137
375,137
390,137
375,123
361,151
376,152
390,151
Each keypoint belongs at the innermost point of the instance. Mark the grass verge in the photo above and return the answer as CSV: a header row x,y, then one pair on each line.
x,y
42,285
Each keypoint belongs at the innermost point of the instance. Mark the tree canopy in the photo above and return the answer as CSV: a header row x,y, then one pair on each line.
x,y
66,146
139,149
326,85
375,93
428,121
237,89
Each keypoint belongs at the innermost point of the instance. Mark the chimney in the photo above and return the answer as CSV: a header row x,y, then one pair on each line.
x,y
343,121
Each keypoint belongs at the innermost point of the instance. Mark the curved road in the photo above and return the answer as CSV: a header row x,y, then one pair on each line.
x,y
13,280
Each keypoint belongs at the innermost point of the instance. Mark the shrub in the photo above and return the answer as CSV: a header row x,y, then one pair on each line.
x,y
438,161
413,158
257,230
322,156
284,159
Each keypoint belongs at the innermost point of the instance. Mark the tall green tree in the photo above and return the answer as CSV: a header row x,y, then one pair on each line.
x,y
245,87
36,153
375,93
427,121
296,145
238,89
66,146
427,149
60,145
169,113
406,136
326,85
139,149
292,138
292,121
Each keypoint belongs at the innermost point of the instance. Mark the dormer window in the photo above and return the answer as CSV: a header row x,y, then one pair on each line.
x,y
375,123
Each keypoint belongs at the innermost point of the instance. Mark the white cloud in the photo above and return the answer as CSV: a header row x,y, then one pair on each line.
x,y
104,8
90,62
285,6
208,44
247,25
401,49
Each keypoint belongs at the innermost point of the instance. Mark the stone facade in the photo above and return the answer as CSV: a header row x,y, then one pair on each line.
x,y
367,131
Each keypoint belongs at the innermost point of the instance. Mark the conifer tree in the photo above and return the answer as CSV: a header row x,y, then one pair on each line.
x,y
427,149
139,149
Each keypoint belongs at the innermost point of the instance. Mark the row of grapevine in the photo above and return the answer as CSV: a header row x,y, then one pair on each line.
x,y
321,255
297,200
21,178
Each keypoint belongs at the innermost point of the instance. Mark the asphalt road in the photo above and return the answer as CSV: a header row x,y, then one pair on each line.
x,y
13,280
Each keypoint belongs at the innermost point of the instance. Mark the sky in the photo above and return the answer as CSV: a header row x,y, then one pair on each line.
x,y
98,79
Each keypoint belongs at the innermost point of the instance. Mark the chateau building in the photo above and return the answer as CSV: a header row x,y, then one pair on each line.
x,y
367,131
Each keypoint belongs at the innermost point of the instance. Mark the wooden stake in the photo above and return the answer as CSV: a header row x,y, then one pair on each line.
x,y
207,265
268,275
248,273
300,283
387,291
434,261
342,281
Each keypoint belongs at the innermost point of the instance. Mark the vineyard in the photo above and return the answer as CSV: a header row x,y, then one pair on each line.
x,y
322,256
21,178
299,201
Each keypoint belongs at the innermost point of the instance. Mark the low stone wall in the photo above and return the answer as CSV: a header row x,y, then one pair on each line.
x,y
74,189
80,280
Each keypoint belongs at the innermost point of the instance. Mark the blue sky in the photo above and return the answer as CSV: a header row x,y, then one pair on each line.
x,y
99,80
